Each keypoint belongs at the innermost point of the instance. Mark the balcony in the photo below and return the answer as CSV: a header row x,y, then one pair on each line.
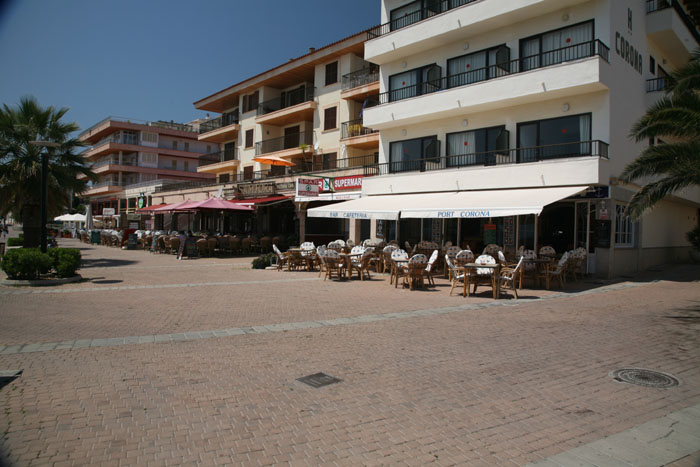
x,y
671,29
657,84
103,188
356,135
570,71
112,123
290,107
223,161
447,21
360,84
219,129
286,146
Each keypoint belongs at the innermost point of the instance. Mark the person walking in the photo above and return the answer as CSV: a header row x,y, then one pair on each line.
x,y
183,239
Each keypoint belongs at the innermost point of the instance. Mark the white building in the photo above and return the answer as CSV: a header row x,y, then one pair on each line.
x,y
492,112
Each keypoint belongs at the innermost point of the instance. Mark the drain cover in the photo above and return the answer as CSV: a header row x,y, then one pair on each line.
x,y
644,377
319,380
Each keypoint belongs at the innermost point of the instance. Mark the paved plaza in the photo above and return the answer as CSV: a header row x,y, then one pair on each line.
x,y
153,361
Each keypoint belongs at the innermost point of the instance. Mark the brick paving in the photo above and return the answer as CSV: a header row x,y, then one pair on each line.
x,y
430,379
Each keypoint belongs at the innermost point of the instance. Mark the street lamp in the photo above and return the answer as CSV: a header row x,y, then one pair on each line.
x,y
44,190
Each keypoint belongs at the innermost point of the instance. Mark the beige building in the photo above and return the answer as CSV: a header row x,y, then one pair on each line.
x,y
132,158
508,122
301,119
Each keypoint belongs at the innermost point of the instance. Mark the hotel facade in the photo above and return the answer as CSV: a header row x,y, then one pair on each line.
x,y
508,122
470,121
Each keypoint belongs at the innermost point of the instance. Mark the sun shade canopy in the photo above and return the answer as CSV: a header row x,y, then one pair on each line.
x,y
452,205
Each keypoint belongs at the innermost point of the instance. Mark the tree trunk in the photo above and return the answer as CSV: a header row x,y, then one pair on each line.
x,y
31,222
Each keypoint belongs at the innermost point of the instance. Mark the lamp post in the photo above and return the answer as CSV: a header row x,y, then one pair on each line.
x,y
44,188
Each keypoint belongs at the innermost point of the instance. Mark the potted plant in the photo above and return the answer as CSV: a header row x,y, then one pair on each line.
x,y
694,238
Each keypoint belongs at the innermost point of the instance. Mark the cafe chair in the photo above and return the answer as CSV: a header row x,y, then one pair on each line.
x,y
398,268
430,268
452,252
334,265
455,277
483,276
509,277
282,258
558,272
415,271
548,251
361,264
464,257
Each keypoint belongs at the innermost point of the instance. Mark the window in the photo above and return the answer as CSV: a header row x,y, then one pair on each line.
x,y
330,121
187,146
624,227
478,66
248,173
173,164
229,152
325,161
149,159
250,101
224,178
554,138
174,144
477,147
415,82
208,148
249,138
405,15
411,154
186,166
147,137
557,46
652,65
331,73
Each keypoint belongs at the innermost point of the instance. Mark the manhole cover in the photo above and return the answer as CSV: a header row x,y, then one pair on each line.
x,y
644,377
319,380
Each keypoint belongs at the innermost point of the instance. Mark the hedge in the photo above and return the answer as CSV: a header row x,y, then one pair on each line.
x,y
65,261
15,241
261,262
25,263
30,263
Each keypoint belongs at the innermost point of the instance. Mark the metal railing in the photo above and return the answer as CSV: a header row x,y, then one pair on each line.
x,y
217,157
657,84
158,123
360,77
542,60
285,142
287,99
431,9
100,184
219,122
499,157
129,162
354,128
658,5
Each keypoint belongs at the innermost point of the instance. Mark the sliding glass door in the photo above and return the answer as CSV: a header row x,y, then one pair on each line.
x,y
554,138
570,43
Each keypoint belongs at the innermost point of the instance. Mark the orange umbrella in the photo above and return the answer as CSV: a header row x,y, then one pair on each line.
x,y
273,160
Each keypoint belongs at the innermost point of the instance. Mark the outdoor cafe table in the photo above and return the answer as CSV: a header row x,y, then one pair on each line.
x,y
347,257
495,276
308,258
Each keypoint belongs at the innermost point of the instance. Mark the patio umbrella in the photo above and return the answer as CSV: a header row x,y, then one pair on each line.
x,y
273,160
88,217
64,218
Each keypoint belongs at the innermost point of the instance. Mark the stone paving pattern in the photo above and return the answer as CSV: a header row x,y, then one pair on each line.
x,y
466,381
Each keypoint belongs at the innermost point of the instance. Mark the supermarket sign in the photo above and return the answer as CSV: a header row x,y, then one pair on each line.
x,y
352,182
308,187
327,185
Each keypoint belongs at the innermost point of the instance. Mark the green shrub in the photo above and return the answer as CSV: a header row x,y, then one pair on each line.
x,y
65,261
16,241
25,263
263,261
694,237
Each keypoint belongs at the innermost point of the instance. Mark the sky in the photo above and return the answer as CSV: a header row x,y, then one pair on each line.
x,y
151,59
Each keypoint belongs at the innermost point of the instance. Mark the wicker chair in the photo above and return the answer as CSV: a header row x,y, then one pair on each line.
x,y
334,265
318,259
492,250
464,257
397,268
202,247
415,271
245,245
430,268
559,271
386,257
455,277
482,276
509,277
577,260
452,253
282,258
548,251
235,245
265,244
361,264
174,245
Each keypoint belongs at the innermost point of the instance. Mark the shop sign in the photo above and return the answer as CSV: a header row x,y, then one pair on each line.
x,y
307,187
257,189
107,211
489,234
352,182
286,186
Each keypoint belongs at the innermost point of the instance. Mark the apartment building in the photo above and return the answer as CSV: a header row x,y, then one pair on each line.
x,y
133,157
301,119
508,122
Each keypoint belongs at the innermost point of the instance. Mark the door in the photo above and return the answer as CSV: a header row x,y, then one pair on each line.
x,y
291,137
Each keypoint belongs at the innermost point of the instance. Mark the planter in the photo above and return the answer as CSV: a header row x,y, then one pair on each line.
x,y
42,282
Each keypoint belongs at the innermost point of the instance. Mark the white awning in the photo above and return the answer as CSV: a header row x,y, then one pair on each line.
x,y
487,203
450,205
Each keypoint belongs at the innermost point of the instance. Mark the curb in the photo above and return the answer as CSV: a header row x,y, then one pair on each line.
x,y
42,282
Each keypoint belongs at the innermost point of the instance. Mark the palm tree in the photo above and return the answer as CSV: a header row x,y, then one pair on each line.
x,y
675,118
20,164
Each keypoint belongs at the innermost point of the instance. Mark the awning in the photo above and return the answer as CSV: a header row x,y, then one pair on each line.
x,y
451,205
149,208
254,201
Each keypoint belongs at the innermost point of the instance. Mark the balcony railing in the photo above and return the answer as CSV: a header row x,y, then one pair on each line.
x,y
287,99
218,122
519,65
657,84
657,5
354,128
432,8
499,157
101,184
285,142
360,77
217,157
102,163
159,124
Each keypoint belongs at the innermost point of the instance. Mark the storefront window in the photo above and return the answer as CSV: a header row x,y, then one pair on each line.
x,y
624,227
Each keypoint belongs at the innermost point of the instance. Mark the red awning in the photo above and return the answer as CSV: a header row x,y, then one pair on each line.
x,y
254,201
216,203
149,208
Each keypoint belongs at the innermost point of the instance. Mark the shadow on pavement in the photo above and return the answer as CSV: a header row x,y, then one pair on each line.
x,y
105,263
